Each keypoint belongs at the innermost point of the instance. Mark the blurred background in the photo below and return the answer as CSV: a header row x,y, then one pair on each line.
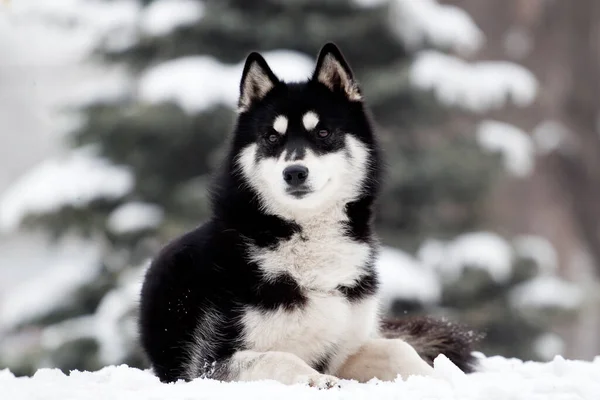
x,y
114,113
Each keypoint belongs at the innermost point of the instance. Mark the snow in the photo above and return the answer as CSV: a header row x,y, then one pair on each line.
x,y
403,277
44,47
71,180
477,87
370,3
72,264
538,249
548,345
198,82
549,136
515,145
54,336
518,43
481,250
500,379
547,291
426,22
162,17
115,327
90,22
134,216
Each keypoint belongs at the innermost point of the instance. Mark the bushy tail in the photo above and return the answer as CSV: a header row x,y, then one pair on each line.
x,y
431,337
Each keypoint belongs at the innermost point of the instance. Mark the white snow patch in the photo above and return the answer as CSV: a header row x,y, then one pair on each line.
x,y
72,264
75,180
162,17
197,82
134,216
481,250
539,249
514,144
547,291
403,277
501,379
369,3
477,87
518,42
549,136
548,346
91,23
115,322
113,325
54,336
109,85
426,22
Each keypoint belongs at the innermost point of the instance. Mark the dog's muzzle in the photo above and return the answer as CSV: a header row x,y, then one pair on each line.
x,y
295,175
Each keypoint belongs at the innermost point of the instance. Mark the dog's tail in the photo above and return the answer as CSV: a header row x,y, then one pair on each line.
x,y
431,337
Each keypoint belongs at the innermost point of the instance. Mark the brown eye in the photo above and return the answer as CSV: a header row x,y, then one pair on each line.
x,y
323,133
273,138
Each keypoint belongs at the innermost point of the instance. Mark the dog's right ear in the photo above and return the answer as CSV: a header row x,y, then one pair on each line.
x,y
257,81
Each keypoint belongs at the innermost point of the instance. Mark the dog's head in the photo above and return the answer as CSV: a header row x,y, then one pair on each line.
x,y
303,147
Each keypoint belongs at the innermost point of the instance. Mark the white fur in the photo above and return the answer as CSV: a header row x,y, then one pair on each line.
x,y
204,340
334,179
332,71
319,258
283,367
384,359
362,326
254,87
308,332
310,120
280,124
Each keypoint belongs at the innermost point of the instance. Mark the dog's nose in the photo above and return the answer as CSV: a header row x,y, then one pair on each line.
x,y
295,175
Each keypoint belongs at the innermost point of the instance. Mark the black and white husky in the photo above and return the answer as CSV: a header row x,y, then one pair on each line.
x,y
280,283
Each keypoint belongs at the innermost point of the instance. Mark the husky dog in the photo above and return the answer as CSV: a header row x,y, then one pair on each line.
x,y
280,283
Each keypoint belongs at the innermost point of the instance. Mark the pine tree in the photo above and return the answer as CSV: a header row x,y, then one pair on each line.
x,y
437,179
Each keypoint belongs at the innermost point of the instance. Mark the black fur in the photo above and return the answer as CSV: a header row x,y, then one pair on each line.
x,y
432,337
207,268
366,286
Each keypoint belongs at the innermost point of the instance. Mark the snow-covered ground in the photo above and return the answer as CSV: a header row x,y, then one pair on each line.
x,y
500,379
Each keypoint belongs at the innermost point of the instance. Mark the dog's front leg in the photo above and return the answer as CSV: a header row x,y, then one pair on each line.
x,y
384,359
284,367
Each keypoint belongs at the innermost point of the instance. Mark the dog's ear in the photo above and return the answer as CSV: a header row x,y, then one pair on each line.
x,y
333,71
257,81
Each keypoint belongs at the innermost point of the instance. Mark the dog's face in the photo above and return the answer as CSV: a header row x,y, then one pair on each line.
x,y
302,147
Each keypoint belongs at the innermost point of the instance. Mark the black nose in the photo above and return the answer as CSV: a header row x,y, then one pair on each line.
x,y
295,175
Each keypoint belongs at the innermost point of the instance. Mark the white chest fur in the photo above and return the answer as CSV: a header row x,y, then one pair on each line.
x,y
327,327
320,258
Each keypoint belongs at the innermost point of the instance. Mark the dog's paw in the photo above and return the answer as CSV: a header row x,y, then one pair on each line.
x,y
320,381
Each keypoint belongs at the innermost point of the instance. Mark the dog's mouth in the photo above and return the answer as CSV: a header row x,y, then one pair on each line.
x,y
302,191
298,192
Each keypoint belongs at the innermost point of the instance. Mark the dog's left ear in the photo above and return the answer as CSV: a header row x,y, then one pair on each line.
x,y
257,81
333,71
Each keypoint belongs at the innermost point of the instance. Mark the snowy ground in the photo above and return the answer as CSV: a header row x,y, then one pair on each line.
x,y
501,379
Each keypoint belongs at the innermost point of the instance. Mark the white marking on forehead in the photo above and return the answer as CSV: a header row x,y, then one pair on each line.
x,y
310,120
280,124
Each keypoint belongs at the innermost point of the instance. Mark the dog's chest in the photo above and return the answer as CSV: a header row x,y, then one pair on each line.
x,y
328,326
321,257
325,331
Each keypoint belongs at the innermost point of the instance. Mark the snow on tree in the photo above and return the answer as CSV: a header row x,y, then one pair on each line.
x,y
147,140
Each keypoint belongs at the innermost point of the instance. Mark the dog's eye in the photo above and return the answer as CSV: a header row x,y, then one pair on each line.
x,y
323,133
273,138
